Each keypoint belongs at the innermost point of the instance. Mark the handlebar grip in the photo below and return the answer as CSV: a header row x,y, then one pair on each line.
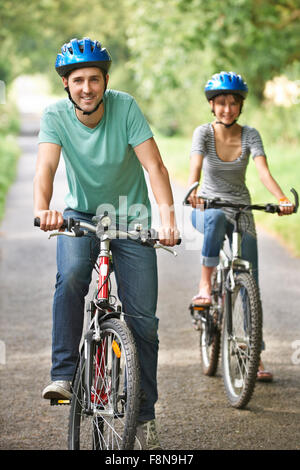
x,y
191,189
65,224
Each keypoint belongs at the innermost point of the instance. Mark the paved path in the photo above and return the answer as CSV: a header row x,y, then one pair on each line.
x,y
192,410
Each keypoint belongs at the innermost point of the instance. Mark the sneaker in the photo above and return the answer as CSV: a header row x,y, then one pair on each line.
x,y
147,437
59,389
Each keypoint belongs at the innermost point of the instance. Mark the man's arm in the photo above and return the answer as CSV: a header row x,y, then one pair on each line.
x,y
149,156
46,166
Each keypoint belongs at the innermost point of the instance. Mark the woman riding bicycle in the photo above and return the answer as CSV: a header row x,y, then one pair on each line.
x,y
222,148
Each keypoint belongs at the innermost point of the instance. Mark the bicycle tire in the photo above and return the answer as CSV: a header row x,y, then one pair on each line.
x,y
210,334
114,395
241,349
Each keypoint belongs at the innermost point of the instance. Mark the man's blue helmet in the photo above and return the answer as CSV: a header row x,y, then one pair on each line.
x,y
225,82
80,53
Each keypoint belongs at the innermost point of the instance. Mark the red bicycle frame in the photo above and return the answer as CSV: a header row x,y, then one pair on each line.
x,y
104,260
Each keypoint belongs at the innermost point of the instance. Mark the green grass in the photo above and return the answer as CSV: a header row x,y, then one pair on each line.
x,y
284,163
9,153
9,150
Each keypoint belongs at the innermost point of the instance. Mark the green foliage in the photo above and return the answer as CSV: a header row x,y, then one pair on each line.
x,y
33,31
9,150
176,45
163,53
9,153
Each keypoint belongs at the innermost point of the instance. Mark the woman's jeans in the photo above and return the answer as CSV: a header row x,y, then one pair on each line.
x,y
214,225
135,270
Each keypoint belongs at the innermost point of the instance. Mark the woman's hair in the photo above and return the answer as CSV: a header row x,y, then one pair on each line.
x,y
237,98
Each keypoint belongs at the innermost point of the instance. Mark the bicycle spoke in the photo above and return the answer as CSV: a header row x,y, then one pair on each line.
x,y
110,422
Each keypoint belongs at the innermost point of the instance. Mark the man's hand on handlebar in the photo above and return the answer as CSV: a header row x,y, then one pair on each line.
x,y
49,219
168,236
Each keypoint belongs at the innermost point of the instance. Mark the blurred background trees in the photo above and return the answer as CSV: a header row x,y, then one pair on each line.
x,y
163,53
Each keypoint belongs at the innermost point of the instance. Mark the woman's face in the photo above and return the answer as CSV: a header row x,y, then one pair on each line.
x,y
226,108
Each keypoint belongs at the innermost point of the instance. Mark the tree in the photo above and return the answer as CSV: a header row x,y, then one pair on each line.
x,y
259,38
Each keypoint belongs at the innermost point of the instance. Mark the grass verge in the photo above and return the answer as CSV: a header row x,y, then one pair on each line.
x,y
9,153
284,163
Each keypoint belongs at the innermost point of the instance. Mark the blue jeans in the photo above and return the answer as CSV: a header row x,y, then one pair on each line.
x,y
214,225
135,270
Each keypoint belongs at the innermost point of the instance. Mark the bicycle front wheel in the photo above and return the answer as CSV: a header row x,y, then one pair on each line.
x,y
210,334
114,395
242,339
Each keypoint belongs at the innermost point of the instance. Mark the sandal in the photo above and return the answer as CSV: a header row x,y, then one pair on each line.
x,y
202,300
264,375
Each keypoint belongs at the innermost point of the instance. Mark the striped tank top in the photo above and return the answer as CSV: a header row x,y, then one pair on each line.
x,y
226,180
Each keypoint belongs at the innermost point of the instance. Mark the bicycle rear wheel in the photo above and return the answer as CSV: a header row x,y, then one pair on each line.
x,y
241,345
111,422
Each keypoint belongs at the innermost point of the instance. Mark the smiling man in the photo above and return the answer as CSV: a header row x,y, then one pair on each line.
x,y
106,142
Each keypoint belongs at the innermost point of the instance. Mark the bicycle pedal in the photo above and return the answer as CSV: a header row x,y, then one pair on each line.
x,y
200,308
57,401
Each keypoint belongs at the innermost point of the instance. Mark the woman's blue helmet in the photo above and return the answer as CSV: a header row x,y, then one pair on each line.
x,y
80,53
225,82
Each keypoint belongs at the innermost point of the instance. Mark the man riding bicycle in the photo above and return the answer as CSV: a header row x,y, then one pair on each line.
x,y
106,142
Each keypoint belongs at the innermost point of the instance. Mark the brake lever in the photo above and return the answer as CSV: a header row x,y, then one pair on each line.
x,y
158,245
185,201
75,232
295,194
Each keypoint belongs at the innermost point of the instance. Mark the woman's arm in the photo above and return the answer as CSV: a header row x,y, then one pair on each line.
x,y
196,161
270,183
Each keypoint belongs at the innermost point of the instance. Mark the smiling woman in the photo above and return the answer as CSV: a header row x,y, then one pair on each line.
x,y
222,150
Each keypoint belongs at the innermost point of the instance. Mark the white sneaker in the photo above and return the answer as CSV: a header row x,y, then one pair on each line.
x,y
147,437
59,389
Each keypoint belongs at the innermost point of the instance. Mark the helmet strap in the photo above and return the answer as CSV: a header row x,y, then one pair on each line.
x,y
88,113
226,125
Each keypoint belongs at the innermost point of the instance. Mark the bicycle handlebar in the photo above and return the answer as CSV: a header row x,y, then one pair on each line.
x,y
145,237
218,203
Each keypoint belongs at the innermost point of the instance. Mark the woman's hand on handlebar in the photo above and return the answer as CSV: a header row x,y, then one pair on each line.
x,y
196,201
49,219
285,206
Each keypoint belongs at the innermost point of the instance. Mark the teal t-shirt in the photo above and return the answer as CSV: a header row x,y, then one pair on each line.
x,y
102,168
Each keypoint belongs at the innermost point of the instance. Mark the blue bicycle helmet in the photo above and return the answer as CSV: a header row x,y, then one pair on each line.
x,y
225,82
80,53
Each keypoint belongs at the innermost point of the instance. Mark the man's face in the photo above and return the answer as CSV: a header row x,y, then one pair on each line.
x,y
86,86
